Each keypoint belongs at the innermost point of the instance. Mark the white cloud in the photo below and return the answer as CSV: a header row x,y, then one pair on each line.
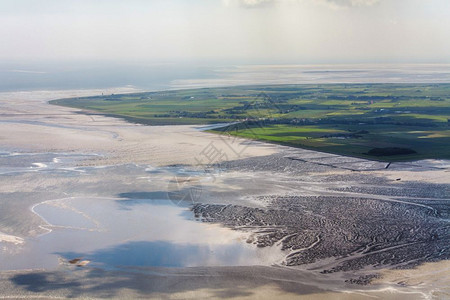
x,y
347,3
330,3
248,3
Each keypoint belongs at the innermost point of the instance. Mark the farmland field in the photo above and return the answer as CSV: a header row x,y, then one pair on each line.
x,y
389,122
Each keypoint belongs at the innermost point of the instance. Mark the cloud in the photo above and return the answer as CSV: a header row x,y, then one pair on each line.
x,y
249,3
350,3
330,3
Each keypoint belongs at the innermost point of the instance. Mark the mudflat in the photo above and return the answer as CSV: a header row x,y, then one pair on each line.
x,y
176,212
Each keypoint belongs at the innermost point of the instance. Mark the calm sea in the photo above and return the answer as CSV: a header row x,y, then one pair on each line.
x,y
159,76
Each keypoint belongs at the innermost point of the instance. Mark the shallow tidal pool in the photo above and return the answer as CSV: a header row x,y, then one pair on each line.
x,y
115,233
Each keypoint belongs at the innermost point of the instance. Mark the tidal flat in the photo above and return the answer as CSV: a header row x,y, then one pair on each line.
x,y
150,217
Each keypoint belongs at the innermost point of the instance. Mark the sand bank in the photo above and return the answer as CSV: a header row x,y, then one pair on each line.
x,y
29,123
10,239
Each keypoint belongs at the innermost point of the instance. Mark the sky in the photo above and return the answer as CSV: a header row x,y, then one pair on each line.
x,y
256,31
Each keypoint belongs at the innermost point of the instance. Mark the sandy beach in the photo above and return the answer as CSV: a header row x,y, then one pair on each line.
x,y
65,175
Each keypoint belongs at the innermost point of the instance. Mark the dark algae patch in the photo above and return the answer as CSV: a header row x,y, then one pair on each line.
x,y
390,151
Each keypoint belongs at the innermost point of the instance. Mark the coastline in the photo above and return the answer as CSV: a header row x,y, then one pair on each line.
x,y
118,143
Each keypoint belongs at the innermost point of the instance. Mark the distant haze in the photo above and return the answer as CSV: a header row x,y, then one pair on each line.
x,y
255,31
153,76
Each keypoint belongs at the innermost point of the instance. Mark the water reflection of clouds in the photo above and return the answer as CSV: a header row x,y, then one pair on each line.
x,y
135,230
167,254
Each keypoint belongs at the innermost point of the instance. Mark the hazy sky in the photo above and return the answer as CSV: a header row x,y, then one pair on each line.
x,y
262,31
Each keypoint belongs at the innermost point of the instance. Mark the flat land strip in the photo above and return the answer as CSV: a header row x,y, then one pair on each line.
x,y
388,122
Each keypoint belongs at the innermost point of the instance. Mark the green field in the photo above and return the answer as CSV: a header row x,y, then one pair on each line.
x,y
401,121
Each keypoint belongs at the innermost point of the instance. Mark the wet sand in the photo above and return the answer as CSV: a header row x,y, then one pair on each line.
x,y
54,159
28,123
